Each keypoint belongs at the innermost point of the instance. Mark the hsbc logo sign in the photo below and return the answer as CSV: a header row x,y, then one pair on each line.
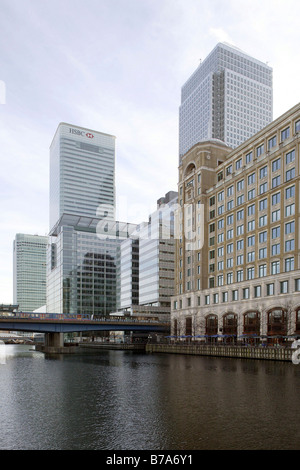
x,y
82,133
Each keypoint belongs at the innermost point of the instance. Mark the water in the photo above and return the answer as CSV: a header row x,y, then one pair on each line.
x,y
118,400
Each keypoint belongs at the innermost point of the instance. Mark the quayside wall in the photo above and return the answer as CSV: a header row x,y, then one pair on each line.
x,y
241,352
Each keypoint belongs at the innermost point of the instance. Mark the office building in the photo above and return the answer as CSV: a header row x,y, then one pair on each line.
x,y
237,249
147,263
29,271
228,97
82,173
82,265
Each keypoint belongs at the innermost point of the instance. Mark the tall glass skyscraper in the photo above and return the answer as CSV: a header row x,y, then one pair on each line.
x,y
29,254
82,173
229,97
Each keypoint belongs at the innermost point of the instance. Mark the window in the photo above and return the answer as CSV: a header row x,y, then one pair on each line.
x,y
250,273
229,263
229,278
263,237
230,219
229,234
276,181
220,224
290,192
229,170
251,194
276,215
251,225
260,150
290,210
263,172
220,176
251,209
262,221
246,293
290,174
240,260
220,196
263,204
240,245
240,200
290,157
290,227
212,201
207,300
216,298
240,230
290,245
276,249
225,296
276,164
240,185
270,289
257,291
272,142
238,164
230,248
284,287
297,126
289,264
275,199
230,191
251,256
262,253
275,232
235,295
262,270
240,214
221,251
240,275
275,267
263,188
230,205
251,178
249,155
297,281
251,240
285,134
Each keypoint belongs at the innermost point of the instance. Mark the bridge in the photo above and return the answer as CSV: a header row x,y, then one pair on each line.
x,y
55,325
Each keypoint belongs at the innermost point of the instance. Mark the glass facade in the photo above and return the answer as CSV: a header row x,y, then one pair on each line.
x,y
82,173
29,253
229,97
82,267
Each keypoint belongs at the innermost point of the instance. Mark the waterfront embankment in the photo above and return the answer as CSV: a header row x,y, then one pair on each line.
x,y
234,351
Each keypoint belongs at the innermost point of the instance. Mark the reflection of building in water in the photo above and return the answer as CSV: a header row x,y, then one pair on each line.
x,y
244,276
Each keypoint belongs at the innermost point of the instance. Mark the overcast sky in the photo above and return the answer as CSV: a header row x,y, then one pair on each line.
x,y
117,66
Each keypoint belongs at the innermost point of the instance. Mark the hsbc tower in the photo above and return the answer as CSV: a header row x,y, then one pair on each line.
x,y
82,173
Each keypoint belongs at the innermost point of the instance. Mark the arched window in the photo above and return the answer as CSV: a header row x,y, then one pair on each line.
x,y
277,322
252,322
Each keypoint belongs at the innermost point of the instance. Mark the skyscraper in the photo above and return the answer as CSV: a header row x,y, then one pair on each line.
x,y
82,173
29,254
228,97
84,238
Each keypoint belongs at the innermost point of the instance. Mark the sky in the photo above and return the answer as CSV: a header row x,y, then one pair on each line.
x,y
117,66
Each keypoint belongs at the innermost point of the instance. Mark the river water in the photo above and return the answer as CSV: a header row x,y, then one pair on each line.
x,y
119,400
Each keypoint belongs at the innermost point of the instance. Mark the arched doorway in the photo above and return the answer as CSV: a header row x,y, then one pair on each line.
x,y
211,327
230,326
252,323
277,325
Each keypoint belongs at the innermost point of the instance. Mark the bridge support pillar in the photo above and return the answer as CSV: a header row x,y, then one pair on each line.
x,y
54,340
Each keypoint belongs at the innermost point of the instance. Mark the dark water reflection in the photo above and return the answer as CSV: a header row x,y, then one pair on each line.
x,y
118,400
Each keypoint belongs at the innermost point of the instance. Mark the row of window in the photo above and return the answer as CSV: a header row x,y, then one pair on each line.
x,y
243,294
260,150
